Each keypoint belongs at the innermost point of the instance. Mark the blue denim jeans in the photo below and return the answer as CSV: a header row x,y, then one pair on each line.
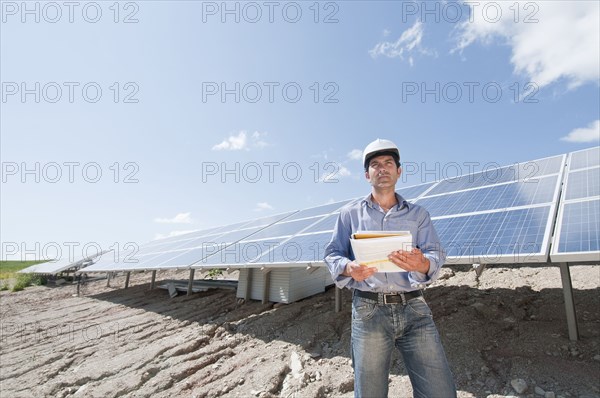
x,y
377,329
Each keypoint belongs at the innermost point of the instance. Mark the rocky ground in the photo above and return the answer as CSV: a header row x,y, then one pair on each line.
x,y
505,335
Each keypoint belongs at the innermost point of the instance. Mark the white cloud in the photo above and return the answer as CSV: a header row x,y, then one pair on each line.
x,y
258,141
560,40
173,233
591,133
355,154
408,43
233,143
242,142
260,206
181,218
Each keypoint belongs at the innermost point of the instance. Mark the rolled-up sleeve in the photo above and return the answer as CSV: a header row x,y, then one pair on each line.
x,y
429,243
338,250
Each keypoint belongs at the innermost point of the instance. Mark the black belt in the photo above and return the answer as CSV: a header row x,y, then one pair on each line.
x,y
389,298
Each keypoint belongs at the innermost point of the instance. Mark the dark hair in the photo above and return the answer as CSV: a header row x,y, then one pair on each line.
x,y
382,153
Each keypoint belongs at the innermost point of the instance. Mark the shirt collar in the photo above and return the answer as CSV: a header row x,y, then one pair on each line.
x,y
401,202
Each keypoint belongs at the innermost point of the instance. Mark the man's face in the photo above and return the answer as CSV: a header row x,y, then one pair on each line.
x,y
383,172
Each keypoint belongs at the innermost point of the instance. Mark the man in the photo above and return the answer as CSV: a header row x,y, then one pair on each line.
x,y
388,309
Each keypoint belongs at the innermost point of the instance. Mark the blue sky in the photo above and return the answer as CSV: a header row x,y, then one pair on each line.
x,y
203,120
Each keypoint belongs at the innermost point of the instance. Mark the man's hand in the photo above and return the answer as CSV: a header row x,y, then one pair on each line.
x,y
413,260
358,272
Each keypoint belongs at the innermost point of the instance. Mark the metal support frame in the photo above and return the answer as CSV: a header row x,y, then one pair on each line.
x,y
152,282
127,279
338,299
191,281
479,268
565,276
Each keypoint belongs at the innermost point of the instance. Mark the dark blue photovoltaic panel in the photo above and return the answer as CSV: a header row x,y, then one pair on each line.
x,y
414,191
540,190
326,224
587,158
580,230
491,176
583,183
240,252
319,210
518,232
303,248
282,229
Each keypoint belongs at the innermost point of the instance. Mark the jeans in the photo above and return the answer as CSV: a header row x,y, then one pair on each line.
x,y
376,329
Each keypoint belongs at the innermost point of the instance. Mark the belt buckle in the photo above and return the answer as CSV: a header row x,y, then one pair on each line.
x,y
385,296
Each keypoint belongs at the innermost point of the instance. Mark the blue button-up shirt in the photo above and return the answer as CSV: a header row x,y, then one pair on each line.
x,y
366,215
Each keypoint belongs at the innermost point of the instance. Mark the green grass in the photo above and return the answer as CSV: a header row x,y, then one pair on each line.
x,y
8,271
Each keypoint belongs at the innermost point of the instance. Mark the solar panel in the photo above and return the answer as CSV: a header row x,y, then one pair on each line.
x,y
266,239
414,191
514,236
295,233
326,224
583,183
498,175
586,158
319,210
58,266
577,236
580,232
514,194
182,251
307,248
502,215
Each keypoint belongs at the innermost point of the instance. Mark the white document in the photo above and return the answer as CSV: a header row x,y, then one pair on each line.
x,y
371,248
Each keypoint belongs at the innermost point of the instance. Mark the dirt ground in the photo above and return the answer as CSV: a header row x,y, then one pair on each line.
x,y
509,324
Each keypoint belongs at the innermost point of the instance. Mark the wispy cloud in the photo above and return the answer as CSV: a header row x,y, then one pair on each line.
x,y
242,141
406,46
181,218
591,133
258,140
261,206
559,40
355,154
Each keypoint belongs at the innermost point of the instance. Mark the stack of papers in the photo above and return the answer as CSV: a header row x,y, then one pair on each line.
x,y
371,248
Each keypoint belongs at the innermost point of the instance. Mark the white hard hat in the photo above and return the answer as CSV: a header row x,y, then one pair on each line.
x,y
387,147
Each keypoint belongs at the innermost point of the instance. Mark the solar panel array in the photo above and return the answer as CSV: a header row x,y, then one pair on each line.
x,y
499,215
577,236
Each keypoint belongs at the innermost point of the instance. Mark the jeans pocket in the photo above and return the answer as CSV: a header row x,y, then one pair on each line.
x,y
419,306
363,310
